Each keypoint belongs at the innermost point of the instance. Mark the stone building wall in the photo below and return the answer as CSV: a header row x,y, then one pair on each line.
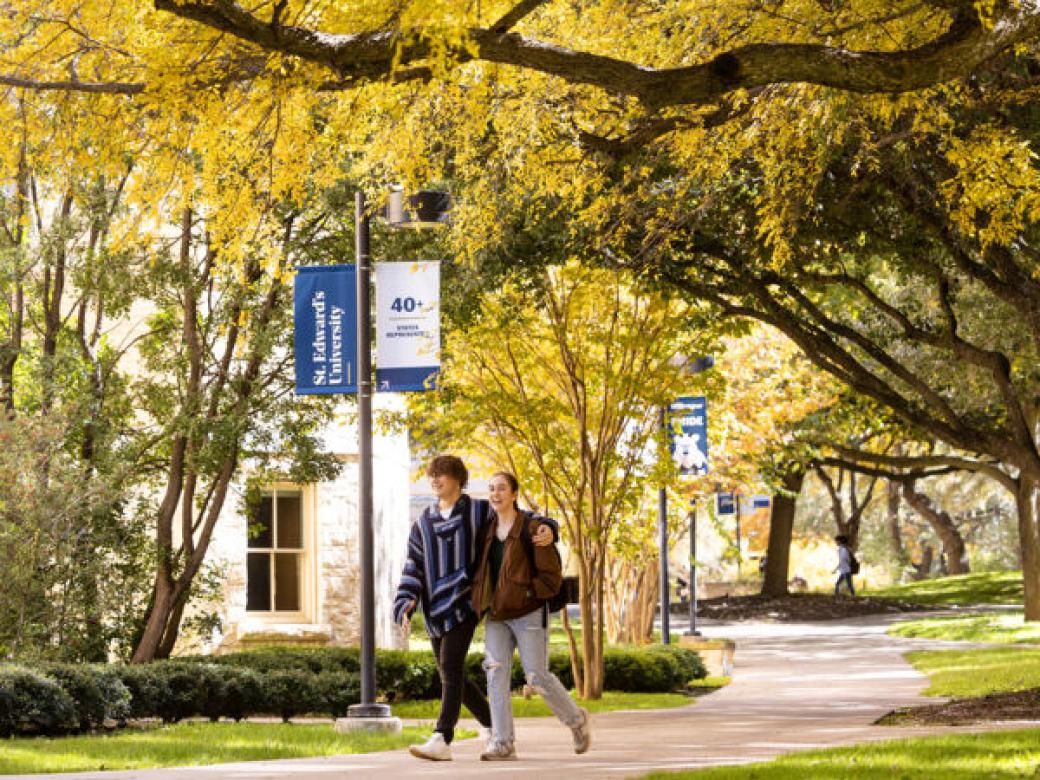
x,y
332,578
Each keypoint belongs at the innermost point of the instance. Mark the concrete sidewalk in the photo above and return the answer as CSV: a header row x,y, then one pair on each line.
x,y
796,686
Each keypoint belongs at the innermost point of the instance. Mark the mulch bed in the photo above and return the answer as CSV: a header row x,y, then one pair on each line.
x,y
800,607
1021,705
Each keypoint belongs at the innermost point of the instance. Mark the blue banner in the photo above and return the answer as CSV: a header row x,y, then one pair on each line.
x,y
727,504
688,434
325,325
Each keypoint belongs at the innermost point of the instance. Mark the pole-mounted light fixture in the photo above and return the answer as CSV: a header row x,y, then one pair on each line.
x,y
424,209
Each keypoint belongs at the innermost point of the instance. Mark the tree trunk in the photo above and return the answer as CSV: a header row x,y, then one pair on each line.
x,y
924,567
155,624
631,601
895,535
588,631
572,646
945,529
173,626
1028,504
781,525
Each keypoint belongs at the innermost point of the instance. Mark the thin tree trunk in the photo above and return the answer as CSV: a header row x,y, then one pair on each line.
x,y
945,529
585,604
1028,504
895,534
13,348
924,567
572,645
781,527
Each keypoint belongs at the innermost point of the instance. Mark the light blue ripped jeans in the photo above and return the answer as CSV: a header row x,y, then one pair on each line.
x,y
527,634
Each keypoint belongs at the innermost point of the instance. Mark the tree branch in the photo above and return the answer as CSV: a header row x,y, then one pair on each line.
x,y
517,13
74,85
963,47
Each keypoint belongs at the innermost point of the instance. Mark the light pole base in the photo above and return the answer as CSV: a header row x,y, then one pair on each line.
x,y
692,633
369,719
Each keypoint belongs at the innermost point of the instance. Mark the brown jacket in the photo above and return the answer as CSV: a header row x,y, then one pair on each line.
x,y
517,591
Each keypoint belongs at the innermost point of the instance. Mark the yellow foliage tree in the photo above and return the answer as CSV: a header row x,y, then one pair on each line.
x,y
561,382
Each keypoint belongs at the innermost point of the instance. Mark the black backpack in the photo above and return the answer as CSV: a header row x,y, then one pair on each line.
x,y
568,591
853,563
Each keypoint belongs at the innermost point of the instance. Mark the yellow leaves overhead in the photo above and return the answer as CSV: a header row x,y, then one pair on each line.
x,y
235,129
769,389
996,190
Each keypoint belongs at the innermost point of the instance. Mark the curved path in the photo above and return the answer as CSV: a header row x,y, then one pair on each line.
x,y
796,686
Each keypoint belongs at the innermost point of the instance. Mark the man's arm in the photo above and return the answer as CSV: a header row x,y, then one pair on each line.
x,y
409,589
548,531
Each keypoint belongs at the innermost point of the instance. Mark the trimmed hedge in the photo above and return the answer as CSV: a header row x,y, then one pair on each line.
x,y
31,702
65,698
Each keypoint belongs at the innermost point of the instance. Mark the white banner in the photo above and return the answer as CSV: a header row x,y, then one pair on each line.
x,y
408,325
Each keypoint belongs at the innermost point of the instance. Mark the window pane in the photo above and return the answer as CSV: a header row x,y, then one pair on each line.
x,y
258,582
287,582
260,531
290,525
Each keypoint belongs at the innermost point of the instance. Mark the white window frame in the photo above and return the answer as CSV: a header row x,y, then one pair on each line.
x,y
307,556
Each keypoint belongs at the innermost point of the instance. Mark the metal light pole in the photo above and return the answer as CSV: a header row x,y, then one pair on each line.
x,y
736,509
692,630
662,528
368,708
427,208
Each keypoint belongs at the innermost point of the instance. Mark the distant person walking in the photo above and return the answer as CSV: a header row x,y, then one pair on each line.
x,y
847,565
513,583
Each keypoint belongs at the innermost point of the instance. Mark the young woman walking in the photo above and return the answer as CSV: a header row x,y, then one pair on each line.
x,y
512,584
438,572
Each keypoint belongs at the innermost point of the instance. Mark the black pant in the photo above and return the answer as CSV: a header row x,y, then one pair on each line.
x,y
456,688
847,579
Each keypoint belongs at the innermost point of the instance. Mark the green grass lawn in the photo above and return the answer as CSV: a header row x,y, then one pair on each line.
x,y
535,707
710,682
978,672
961,756
191,744
1000,587
1008,628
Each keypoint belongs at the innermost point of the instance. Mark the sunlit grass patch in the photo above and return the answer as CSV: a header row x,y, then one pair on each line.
x,y
191,744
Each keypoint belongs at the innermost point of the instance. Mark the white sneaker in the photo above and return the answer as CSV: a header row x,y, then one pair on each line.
x,y
499,751
486,735
433,749
582,733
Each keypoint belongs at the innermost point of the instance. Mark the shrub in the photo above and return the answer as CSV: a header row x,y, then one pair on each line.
x,y
115,693
290,693
81,684
33,704
236,693
276,659
147,686
691,667
183,694
404,674
639,670
6,709
337,691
